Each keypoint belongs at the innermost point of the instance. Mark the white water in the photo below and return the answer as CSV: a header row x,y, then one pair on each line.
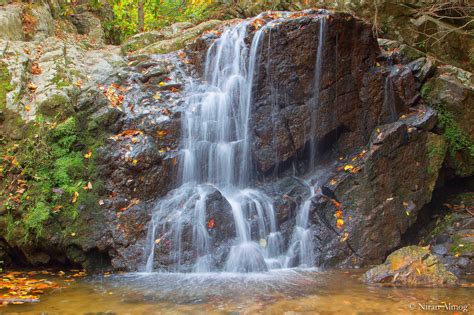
x,y
317,88
216,156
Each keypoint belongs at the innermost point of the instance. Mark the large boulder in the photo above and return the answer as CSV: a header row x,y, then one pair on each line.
x,y
10,22
89,24
451,92
173,39
411,266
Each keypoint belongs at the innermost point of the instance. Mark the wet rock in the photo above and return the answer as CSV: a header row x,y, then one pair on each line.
x,y
423,68
411,266
421,117
282,118
440,249
375,196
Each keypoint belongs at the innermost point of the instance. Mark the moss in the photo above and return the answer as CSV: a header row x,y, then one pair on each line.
x,y
436,148
426,89
50,173
55,104
5,85
458,247
455,137
447,221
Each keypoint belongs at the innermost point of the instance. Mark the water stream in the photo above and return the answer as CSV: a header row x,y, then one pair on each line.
x,y
216,157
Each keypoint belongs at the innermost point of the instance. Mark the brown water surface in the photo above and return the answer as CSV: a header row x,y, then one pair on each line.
x,y
278,292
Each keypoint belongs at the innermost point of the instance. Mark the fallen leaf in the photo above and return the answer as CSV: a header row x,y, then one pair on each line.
x,y
35,68
88,186
88,155
32,87
57,208
74,197
211,223
348,167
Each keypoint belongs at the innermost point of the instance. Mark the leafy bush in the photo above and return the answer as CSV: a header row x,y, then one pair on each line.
x,y
158,13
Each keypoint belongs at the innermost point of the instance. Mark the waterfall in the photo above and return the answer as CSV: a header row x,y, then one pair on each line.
x,y
317,88
389,105
300,251
215,161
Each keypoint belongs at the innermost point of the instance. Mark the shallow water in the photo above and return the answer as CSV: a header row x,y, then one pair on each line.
x,y
284,291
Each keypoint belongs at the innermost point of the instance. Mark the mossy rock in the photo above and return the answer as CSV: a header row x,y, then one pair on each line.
x,y
436,148
180,41
5,85
56,104
411,266
141,40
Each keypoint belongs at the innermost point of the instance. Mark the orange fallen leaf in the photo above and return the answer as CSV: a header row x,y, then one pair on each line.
x,y
211,223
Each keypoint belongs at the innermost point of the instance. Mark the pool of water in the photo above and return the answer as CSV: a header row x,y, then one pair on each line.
x,y
281,292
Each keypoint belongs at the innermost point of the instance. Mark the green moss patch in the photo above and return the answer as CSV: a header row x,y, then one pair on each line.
x,y
46,176
5,85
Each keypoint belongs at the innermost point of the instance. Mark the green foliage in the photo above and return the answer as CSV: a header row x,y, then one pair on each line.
x,y
49,172
158,13
456,139
458,247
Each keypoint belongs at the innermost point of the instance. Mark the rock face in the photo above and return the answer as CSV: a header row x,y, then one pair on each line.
x,y
10,22
168,39
377,158
87,23
411,266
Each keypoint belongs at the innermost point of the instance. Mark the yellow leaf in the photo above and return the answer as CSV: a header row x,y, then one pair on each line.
x,y
74,197
88,154
157,241
162,83
73,234
134,162
339,223
348,167
27,108
161,133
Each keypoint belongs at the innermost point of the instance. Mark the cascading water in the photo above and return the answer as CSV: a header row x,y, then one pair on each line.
x,y
300,250
317,87
216,157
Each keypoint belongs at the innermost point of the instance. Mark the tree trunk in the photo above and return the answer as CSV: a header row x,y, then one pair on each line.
x,y
141,15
